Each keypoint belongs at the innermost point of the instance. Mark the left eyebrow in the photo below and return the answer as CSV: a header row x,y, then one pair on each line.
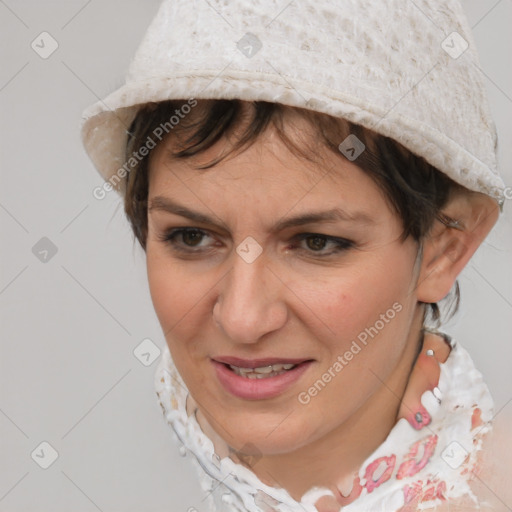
x,y
333,215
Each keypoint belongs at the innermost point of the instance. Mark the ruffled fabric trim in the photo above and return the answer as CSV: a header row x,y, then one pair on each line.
x,y
416,468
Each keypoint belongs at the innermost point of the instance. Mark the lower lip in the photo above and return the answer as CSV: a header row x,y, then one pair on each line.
x,y
258,389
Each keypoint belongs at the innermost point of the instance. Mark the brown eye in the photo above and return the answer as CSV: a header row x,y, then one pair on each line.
x,y
192,238
318,245
187,240
316,242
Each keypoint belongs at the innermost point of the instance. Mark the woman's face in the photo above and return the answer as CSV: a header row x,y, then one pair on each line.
x,y
286,262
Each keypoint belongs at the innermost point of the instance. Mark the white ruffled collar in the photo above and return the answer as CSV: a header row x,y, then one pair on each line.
x,y
450,439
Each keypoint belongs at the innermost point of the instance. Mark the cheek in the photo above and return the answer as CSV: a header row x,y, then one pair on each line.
x,y
183,299
353,300
369,311
171,291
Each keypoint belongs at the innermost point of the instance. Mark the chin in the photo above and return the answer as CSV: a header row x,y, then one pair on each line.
x,y
265,433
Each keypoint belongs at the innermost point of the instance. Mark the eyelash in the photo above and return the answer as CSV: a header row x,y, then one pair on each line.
x,y
342,244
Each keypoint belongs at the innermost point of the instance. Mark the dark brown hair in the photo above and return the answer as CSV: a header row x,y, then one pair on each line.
x,y
415,189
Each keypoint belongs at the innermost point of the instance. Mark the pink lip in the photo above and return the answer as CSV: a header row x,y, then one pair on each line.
x,y
258,389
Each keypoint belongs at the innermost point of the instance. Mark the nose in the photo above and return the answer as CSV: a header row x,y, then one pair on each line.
x,y
250,302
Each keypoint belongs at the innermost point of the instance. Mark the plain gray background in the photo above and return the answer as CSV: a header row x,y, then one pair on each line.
x,y
70,325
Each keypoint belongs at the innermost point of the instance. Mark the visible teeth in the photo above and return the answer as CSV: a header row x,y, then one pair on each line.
x,y
262,371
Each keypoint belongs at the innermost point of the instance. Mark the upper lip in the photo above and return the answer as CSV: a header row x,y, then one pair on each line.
x,y
257,363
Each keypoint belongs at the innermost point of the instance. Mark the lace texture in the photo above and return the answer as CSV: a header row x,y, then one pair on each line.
x,y
407,70
424,467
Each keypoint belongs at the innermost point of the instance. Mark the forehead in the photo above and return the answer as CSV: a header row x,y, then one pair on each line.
x,y
267,182
267,162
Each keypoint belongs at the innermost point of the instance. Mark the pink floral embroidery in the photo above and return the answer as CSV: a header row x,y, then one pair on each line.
x,y
371,484
441,490
412,491
476,418
357,488
430,491
420,418
417,492
410,466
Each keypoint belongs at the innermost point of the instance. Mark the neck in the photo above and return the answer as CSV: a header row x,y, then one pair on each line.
x,y
334,460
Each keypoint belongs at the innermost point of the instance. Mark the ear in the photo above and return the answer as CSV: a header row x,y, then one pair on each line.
x,y
450,244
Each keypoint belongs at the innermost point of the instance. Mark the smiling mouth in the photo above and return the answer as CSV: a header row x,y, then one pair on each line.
x,y
261,368
258,379
261,372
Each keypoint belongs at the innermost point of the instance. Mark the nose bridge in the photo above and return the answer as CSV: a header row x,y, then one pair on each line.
x,y
250,302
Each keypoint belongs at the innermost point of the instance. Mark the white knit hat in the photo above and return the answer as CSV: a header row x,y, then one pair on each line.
x,y
405,69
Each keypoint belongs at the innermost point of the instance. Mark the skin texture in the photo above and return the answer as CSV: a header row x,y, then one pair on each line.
x,y
292,303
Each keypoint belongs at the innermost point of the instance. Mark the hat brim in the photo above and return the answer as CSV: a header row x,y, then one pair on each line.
x,y
105,124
